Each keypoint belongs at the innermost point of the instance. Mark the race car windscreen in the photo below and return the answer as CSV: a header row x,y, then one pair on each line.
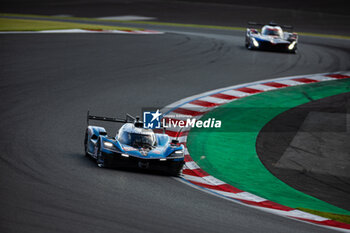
x,y
136,139
271,32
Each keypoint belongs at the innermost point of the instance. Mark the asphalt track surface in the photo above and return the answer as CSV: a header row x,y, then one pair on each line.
x,y
48,82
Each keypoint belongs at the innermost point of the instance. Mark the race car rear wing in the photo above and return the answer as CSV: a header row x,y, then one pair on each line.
x,y
128,119
270,24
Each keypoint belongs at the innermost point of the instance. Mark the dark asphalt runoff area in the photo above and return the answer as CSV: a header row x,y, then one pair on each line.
x,y
49,81
308,148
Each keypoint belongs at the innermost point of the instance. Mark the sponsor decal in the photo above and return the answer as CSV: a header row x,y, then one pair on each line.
x,y
156,151
209,123
154,120
151,120
143,152
129,148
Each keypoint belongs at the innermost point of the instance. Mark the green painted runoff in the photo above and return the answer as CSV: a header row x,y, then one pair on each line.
x,y
229,154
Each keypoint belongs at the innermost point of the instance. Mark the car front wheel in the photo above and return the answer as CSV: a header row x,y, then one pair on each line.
x,y
100,158
249,45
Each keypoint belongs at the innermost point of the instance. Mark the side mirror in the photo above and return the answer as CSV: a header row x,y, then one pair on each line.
x,y
138,124
175,142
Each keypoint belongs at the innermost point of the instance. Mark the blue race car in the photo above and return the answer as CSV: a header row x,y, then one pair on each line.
x,y
133,147
271,37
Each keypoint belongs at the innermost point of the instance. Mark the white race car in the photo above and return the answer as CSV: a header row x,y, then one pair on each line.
x,y
271,37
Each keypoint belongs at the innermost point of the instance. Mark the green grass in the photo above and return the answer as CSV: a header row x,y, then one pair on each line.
x,y
123,21
181,25
7,24
336,217
324,35
163,23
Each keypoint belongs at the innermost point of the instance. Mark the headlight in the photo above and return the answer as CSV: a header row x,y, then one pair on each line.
x,y
291,46
109,146
124,155
255,43
176,153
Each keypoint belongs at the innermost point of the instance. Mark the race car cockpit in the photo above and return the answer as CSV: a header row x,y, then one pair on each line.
x,y
272,31
136,137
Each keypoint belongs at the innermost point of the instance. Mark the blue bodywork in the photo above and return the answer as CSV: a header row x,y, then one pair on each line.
x,y
164,149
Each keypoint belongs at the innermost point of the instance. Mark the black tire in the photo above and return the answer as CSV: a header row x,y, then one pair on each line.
x,y
176,172
249,45
100,160
85,144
